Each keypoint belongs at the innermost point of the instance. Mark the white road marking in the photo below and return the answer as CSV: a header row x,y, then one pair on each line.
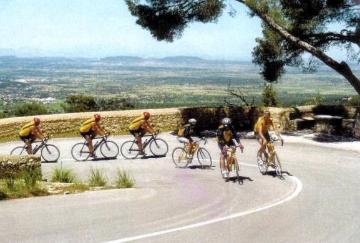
x,y
294,194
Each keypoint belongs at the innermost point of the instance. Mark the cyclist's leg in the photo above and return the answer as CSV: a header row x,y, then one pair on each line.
x,y
137,136
28,146
222,161
28,140
262,149
88,136
186,142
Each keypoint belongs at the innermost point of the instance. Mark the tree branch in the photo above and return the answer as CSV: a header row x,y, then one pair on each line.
x,y
331,36
342,68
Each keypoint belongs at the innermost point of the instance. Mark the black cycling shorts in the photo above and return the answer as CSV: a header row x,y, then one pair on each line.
x,y
90,133
266,135
137,133
27,138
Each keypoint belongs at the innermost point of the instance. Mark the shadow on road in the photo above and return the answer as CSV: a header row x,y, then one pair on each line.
x,y
240,179
203,167
273,173
152,156
49,162
101,159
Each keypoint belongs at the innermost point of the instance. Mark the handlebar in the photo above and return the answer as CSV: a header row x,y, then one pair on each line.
x,y
277,138
235,146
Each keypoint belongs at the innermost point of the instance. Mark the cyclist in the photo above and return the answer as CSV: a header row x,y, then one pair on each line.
x,y
185,134
31,131
91,128
227,136
261,130
138,127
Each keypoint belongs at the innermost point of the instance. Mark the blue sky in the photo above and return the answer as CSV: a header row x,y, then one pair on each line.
x,y
97,28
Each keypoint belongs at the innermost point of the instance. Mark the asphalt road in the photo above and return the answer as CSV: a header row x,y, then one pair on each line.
x,y
319,203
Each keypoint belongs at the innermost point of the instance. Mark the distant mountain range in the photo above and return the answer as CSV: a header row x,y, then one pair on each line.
x,y
165,60
119,60
171,61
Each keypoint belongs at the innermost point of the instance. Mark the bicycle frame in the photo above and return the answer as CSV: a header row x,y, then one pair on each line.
x,y
37,147
230,156
98,143
147,141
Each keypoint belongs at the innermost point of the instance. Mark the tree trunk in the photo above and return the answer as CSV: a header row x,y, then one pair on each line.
x,y
342,68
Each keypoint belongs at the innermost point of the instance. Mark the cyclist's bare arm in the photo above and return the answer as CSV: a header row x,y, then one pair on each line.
x,y
99,130
38,133
148,128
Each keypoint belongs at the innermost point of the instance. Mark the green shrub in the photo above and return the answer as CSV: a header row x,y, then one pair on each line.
x,y
17,188
79,103
97,177
30,109
318,100
124,179
269,96
63,175
31,177
354,101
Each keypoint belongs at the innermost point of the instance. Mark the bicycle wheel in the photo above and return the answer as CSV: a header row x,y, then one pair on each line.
x,y
278,169
262,164
204,158
109,149
50,153
80,152
159,147
180,158
21,150
129,150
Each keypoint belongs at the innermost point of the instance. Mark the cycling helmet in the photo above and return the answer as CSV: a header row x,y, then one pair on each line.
x,y
146,115
192,121
97,117
36,120
226,121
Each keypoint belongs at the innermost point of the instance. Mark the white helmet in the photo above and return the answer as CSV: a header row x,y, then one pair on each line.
x,y
192,121
226,121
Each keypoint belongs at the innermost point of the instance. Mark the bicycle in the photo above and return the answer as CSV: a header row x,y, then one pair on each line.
x,y
158,147
182,156
231,162
109,149
270,159
49,152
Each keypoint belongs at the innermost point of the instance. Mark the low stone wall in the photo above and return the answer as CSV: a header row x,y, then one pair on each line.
x,y
66,125
117,122
11,166
357,126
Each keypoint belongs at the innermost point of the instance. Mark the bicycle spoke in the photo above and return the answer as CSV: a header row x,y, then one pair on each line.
x,y
129,150
180,158
109,149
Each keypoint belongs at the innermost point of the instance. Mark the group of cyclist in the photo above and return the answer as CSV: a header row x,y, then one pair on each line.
x,y
226,134
89,129
228,137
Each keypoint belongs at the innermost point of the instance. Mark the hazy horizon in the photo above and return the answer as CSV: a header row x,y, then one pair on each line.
x,y
96,29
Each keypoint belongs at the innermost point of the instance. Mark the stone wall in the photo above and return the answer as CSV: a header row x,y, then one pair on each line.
x,y
67,125
11,166
357,126
117,122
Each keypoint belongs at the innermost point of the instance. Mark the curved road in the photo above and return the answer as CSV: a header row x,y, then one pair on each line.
x,y
320,203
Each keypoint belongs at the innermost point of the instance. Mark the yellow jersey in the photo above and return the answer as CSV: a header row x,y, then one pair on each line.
x,y
263,124
87,125
137,123
26,129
